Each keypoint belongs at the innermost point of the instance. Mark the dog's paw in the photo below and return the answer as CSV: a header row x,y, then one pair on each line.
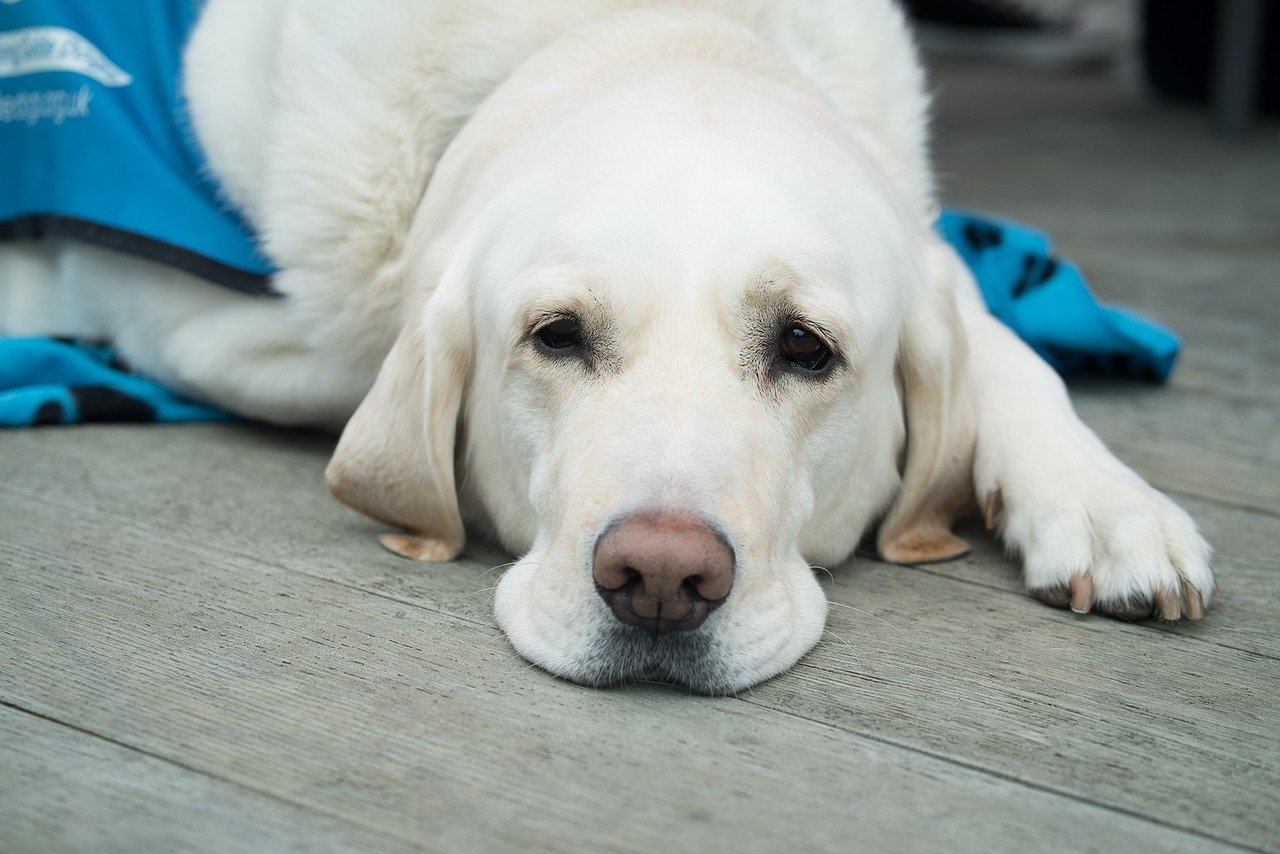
x,y
1093,535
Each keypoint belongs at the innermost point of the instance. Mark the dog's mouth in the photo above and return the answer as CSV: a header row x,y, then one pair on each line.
x,y
757,632
625,654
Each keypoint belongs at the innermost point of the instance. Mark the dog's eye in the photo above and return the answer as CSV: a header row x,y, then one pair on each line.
x,y
802,348
564,333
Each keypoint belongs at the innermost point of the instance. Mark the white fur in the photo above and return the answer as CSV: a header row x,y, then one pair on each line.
x,y
443,171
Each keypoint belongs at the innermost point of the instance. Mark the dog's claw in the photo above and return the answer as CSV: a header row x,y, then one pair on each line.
x,y
1194,602
991,507
1167,603
1082,593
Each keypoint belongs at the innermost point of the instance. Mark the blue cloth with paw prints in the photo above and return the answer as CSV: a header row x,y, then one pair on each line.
x,y
1046,301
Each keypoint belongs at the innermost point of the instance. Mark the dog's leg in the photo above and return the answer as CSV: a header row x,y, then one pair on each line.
x,y
253,355
1091,533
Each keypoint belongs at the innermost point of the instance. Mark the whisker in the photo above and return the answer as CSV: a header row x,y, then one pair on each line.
x,y
828,572
853,657
837,637
498,567
869,614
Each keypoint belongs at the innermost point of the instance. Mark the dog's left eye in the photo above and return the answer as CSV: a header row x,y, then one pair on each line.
x,y
562,334
804,349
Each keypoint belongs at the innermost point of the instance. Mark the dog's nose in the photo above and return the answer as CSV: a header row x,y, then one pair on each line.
x,y
662,571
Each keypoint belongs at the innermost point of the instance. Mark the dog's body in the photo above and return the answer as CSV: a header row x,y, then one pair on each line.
x,y
673,273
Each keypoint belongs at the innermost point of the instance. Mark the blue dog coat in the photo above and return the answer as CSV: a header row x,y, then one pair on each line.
x,y
95,144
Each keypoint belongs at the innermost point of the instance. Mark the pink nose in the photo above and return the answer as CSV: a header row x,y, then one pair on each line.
x,y
662,571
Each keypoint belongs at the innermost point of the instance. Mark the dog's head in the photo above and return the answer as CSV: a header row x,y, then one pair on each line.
x,y
680,342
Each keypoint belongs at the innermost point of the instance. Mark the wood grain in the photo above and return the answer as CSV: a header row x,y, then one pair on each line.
x,y
404,721
66,790
982,679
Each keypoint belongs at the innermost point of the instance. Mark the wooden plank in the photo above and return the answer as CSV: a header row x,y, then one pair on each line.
x,y
429,728
1141,720
984,678
1218,305
1223,450
65,790
1079,153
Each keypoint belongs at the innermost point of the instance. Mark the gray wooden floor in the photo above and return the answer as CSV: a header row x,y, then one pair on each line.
x,y
199,650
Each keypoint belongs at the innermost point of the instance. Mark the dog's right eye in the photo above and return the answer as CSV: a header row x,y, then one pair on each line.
x,y
560,335
802,348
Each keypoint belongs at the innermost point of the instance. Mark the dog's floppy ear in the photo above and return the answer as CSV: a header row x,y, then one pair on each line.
x,y
937,484
395,459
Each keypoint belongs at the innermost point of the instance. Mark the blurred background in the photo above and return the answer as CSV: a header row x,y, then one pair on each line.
x,y
1098,123
1216,52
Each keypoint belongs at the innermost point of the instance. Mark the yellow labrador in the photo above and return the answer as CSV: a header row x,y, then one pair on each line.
x,y
660,305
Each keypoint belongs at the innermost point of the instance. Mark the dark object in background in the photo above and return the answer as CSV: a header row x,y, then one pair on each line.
x,y
1180,44
1014,33
976,13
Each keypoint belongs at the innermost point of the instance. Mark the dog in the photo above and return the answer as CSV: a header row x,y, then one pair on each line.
x,y
650,292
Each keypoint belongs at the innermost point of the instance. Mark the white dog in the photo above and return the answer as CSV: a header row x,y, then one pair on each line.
x,y
660,305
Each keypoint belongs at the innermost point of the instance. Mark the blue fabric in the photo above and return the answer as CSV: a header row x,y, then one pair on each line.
x,y
96,140
56,381
1046,301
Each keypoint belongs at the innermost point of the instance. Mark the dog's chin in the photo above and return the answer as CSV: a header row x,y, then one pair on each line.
x,y
577,639
622,655
627,655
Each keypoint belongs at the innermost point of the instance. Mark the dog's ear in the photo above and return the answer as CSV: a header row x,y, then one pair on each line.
x,y
937,483
395,460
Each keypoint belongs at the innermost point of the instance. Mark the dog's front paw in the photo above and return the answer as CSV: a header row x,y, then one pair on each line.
x,y
1095,536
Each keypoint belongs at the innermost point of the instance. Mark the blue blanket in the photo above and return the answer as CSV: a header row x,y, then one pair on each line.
x,y
1043,299
61,381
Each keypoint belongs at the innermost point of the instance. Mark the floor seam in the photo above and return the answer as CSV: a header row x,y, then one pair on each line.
x,y
1222,502
1000,775
1154,627
771,709
192,769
